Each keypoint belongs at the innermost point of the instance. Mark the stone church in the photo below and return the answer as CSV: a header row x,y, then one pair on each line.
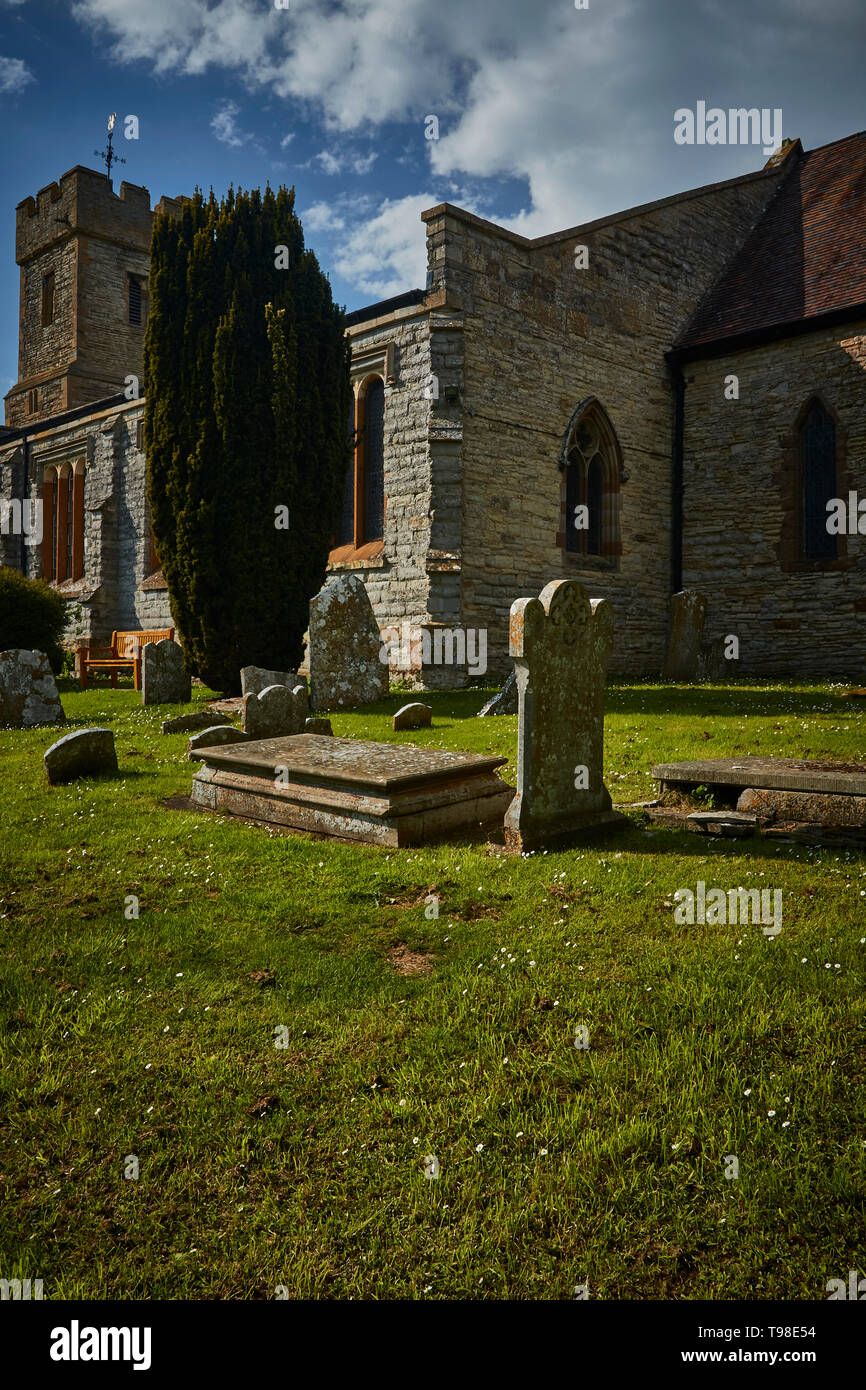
x,y
667,397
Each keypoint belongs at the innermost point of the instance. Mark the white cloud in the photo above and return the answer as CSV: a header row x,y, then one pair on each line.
x,y
577,105
225,126
386,254
331,163
321,217
14,75
287,140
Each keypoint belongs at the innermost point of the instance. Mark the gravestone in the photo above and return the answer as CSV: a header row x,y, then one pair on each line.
x,y
83,753
504,701
275,711
353,789
414,716
561,644
28,694
345,647
688,615
318,726
214,737
164,679
188,723
712,663
255,679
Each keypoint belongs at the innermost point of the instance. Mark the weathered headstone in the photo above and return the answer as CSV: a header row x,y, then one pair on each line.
x,y
414,716
83,753
318,726
255,679
712,665
504,701
276,711
28,693
164,678
561,644
214,737
188,723
345,647
688,615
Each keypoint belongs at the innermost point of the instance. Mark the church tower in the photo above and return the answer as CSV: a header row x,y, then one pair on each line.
x,y
84,253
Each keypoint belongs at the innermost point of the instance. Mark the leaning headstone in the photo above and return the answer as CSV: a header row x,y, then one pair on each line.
x,y
188,723
345,647
164,679
276,711
255,679
215,736
561,644
28,694
688,615
84,753
504,701
318,726
414,716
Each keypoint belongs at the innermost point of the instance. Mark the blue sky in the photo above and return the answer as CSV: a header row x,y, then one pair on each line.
x,y
548,115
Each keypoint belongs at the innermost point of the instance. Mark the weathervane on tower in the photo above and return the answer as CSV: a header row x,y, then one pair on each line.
x,y
108,154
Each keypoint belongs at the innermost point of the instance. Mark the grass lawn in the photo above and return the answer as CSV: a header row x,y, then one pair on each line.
x,y
303,1165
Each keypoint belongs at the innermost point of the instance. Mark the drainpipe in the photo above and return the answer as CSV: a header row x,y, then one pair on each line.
x,y
677,479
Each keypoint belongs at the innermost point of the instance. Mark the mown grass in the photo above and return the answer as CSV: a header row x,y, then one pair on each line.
x,y
303,1166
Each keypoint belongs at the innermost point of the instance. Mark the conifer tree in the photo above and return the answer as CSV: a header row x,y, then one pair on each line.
x,y
247,391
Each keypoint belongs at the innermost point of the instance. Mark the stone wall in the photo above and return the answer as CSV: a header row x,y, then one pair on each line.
x,y
397,581
116,521
539,337
737,462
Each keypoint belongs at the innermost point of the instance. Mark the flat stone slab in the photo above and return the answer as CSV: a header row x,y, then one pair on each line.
x,y
354,789
83,753
771,774
732,825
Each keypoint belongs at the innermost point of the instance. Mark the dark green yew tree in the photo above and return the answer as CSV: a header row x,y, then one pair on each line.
x,y
247,392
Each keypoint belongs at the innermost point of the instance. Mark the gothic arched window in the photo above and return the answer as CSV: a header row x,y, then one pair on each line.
x,y
591,461
817,482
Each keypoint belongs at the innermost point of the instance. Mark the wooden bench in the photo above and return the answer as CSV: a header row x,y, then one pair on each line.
x,y
124,654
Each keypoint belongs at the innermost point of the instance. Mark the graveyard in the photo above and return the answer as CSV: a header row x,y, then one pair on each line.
x,y
281,1031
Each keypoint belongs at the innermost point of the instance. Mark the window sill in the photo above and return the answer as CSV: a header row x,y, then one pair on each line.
x,y
591,563
350,557
154,581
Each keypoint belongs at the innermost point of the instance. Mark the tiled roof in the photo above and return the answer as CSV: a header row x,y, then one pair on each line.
x,y
806,255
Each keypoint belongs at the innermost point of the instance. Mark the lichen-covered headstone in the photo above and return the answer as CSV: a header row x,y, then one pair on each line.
x,y
276,711
688,615
561,644
504,701
712,665
83,753
255,679
164,678
414,716
345,647
28,694
318,726
214,737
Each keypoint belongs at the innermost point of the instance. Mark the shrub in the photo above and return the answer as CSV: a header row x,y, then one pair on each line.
x,y
32,616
